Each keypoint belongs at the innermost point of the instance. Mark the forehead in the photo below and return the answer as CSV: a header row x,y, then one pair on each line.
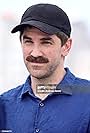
x,y
36,34
34,31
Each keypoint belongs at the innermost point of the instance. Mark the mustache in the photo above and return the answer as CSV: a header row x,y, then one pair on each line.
x,y
38,59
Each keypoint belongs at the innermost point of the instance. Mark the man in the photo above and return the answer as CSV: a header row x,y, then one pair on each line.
x,y
52,100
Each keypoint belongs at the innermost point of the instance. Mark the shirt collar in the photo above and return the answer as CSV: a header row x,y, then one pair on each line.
x,y
65,85
26,88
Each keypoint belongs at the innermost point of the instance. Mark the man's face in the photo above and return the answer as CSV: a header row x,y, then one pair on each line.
x,y
43,54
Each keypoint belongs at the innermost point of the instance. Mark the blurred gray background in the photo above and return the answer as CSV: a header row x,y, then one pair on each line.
x,y
12,69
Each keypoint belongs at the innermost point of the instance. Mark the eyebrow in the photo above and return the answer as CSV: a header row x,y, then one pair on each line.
x,y
26,37
46,38
42,39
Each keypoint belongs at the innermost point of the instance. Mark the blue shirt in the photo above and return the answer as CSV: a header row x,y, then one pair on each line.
x,y
64,112
2,115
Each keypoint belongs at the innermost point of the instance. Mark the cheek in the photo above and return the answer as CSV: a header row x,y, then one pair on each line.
x,y
54,54
25,51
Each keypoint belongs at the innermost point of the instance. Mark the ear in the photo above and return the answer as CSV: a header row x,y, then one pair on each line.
x,y
66,47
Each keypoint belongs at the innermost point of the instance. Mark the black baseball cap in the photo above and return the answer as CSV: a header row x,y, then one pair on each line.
x,y
48,18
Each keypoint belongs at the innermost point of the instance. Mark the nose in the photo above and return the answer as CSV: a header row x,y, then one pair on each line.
x,y
36,52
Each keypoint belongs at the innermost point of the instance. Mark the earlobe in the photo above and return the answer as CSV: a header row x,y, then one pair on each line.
x,y
66,47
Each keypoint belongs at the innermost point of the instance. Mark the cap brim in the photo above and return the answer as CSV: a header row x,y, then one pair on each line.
x,y
40,25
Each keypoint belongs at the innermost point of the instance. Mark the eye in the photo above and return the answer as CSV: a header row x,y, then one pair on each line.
x,y
47,42
27,41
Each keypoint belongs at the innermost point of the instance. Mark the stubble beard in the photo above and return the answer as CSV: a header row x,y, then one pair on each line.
x,y
45,73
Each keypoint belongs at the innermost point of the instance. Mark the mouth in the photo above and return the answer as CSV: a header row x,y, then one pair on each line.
x,y
37,66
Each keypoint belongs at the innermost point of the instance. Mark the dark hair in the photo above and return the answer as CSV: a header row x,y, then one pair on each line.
x,y
21,32
63,37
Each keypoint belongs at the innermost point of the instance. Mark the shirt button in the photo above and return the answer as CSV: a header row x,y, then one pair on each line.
x,y
41,104
37,130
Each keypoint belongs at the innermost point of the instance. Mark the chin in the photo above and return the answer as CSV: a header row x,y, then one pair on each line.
x,y
39,75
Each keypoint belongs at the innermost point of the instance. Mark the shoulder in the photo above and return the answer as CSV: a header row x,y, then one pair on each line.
x,y
2,114
12,93
82,82
15,93
77,84
1,105
82,85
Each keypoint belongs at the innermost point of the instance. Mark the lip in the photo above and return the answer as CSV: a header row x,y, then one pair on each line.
x,y
36,66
